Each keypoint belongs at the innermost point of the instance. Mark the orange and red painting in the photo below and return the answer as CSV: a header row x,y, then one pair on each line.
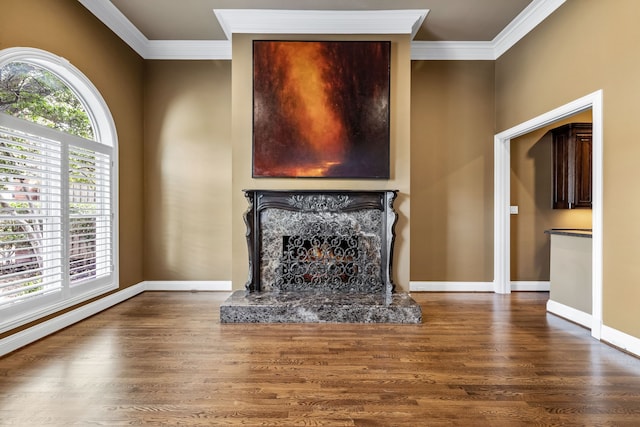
x,y
321,109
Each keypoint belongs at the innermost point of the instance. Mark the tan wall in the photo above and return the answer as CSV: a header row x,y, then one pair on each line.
x,y
67,29
584,46
452,116
242,141
188,170
531,182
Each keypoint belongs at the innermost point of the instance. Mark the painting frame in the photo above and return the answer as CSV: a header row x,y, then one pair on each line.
x,y
321,109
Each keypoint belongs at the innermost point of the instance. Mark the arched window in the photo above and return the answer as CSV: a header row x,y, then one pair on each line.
x,y
58,171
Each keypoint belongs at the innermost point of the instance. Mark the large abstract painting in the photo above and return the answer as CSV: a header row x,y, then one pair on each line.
x,y
321,109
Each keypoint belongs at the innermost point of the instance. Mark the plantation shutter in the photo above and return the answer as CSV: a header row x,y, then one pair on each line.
x,y
89,215
31,222
56,213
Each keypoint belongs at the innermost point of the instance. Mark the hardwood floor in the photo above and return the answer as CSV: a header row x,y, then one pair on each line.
x,y
477,360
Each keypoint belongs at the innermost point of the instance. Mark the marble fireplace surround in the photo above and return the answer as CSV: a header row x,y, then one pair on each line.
x,y
320,256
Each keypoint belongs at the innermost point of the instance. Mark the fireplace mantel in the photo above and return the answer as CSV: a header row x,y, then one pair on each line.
x,y
320,256
319,206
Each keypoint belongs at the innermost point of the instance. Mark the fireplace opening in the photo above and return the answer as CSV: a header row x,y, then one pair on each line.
x,y
318,260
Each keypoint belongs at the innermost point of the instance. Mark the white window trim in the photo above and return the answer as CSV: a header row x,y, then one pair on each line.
x,y
104,134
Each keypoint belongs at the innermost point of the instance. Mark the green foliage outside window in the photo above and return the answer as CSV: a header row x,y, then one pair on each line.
x,y
37,95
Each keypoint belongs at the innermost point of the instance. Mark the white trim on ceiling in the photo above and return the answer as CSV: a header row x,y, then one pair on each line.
x,y
322,22
111,16
277,21
527,20
453,51
188,49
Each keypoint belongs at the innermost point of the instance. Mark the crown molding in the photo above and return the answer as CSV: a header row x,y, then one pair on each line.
x,y
527,20
188,49
111,16
276,21
452,51
273,21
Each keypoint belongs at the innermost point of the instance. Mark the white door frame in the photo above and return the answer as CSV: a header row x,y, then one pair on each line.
x,y
502,175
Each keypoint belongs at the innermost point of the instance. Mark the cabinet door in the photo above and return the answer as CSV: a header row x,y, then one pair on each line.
x,y
561,196
572,166
582,189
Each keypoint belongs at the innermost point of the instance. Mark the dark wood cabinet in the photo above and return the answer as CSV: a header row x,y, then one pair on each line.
x,y
572,166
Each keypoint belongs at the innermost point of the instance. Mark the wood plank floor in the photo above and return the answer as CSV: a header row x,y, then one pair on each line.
x,y
164,359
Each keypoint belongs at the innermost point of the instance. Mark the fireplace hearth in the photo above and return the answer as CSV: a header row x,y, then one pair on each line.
x,y
320,256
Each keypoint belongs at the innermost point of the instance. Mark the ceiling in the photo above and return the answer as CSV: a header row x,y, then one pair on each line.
x,y
167,29
447,19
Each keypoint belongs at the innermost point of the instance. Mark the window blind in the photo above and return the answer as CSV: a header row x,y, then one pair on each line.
x,y
31,238
89,215
56,213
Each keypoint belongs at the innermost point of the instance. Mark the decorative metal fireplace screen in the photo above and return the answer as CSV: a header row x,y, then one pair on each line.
x,y
319,260
334,241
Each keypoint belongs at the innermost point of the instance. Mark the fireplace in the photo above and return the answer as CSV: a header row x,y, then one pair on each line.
x,y
320,256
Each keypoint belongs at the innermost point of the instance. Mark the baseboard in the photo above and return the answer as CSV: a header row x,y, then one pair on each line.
x,y
516,286
41,330
451,286
621,340
187,285
530,286
569,313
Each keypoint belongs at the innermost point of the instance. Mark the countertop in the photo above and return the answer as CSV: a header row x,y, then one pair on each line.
x,y
575,232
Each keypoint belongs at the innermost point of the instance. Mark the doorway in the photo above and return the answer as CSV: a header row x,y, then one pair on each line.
x,y
533,213
502,220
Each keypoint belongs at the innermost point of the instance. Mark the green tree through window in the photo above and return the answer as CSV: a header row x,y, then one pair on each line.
x,y
37,95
